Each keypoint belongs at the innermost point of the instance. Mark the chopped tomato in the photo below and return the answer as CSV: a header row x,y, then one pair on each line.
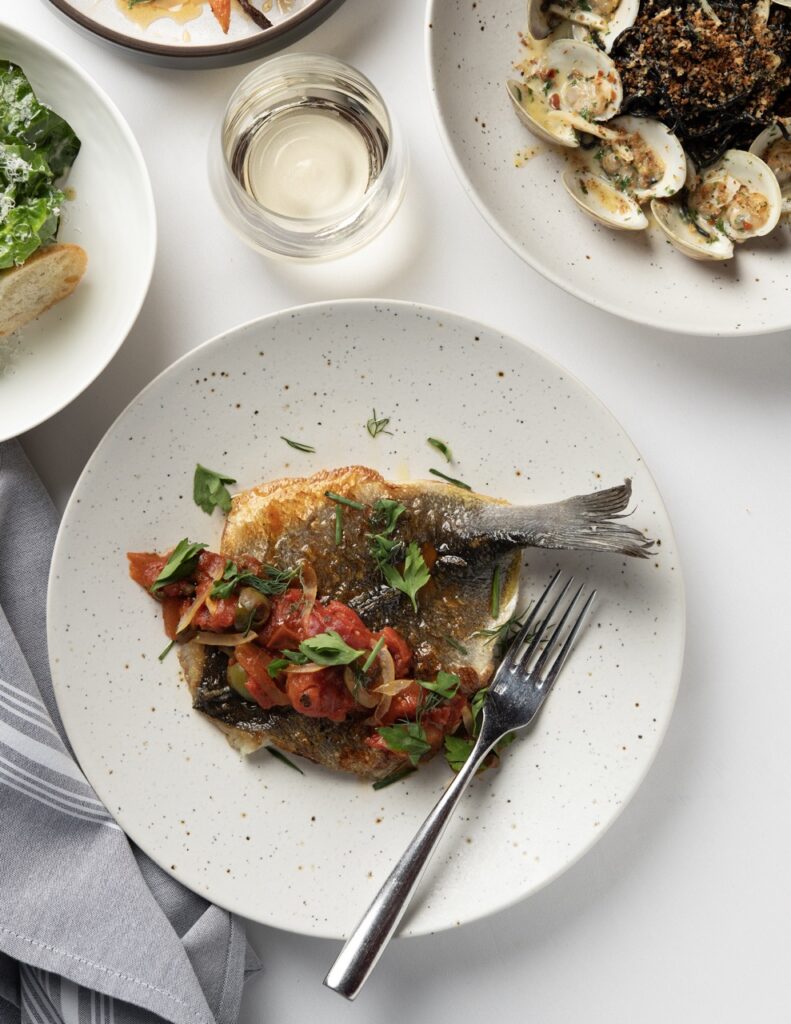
x,y
255,662
171,613
443,720
403,705
320,694
284,629
399,648
219,620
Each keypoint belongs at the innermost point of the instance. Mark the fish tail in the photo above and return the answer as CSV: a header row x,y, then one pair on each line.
x,y
586,522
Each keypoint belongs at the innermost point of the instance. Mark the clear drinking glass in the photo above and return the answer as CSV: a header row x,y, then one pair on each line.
x,y
314,90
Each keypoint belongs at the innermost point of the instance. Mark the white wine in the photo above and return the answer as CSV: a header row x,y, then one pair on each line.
x,y
307,163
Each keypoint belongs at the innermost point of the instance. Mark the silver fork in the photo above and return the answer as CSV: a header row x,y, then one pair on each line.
x,y
519,688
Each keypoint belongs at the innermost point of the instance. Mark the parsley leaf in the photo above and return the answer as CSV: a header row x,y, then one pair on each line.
x,y
274,668
476,706
441,447
181,564
406,738
275,581
457,750
387,512
383,549
209,490
416,574
446,685
329,649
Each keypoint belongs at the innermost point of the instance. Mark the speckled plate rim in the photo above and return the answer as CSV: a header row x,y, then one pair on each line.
x,y
274,35
677,327
470,913
8,30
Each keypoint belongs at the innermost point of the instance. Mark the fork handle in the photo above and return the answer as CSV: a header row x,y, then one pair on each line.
x,y
368,941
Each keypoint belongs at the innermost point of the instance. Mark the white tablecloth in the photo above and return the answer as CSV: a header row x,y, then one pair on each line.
x,y
683,911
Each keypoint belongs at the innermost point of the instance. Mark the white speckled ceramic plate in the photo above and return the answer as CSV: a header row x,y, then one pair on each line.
x,y
472,45
186,32
50,361
306,853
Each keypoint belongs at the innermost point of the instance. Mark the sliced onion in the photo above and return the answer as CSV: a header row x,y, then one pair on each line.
x,y
303,670
310,587
201,598
224,639
360,694
194,608
469,721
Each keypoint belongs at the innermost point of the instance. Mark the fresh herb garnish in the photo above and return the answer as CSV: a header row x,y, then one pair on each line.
x,y
300,447
274,668
340,500
441,447
406,738
457,751
446,685
374,654
396,776
209,490
338,525
476,707
387,512
384,550
416,574
497,588
378,425
452,642
329,649
450,479
282,757
179,565
167,651
275,581
503,634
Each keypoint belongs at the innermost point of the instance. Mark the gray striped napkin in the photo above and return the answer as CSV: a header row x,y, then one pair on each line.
x,y
91,931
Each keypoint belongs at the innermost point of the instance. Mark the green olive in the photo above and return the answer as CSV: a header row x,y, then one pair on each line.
x,y
237,680
252,609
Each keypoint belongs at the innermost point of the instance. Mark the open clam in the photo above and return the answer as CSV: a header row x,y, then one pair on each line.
x,y
773,146
608,28
568,88
608,18
736,199
636,159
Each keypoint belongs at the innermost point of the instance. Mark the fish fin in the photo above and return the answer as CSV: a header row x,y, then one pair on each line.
x,y
586,522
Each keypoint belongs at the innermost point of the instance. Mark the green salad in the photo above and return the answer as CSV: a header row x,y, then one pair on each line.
x,y
37,148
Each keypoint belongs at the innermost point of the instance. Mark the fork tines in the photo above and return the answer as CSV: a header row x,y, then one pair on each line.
x,y
556,646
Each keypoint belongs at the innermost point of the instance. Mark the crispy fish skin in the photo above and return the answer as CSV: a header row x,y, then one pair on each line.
x,y
464,537
248,727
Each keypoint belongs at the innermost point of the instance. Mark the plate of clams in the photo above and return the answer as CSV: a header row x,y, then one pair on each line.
x,y
635,152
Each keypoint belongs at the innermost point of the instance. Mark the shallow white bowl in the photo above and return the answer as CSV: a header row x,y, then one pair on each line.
x,y
112,217
636,275
306,853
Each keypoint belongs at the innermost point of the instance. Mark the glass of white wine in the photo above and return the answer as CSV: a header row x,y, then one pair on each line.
x,y
309,165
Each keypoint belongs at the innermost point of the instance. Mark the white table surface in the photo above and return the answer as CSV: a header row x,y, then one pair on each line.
x,y
683,911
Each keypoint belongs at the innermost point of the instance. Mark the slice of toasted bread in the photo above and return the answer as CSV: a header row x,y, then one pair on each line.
x,y
51,274
222,12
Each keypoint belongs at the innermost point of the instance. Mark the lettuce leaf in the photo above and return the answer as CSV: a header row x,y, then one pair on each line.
x,y
37,148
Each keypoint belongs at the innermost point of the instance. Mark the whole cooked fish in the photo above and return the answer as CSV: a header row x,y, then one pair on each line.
x,y
470,546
